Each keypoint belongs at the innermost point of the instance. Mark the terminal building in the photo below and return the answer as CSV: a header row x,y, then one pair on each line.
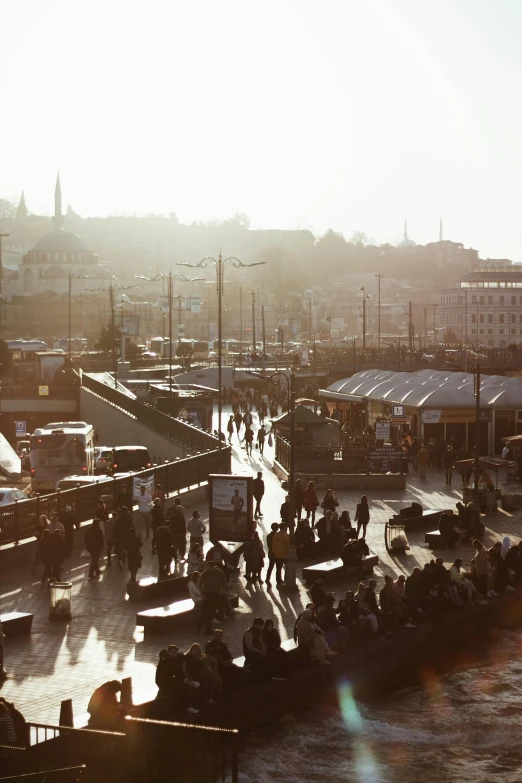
x,y
485,306
430,404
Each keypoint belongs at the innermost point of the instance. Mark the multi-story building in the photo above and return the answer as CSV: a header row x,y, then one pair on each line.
x,y
485,306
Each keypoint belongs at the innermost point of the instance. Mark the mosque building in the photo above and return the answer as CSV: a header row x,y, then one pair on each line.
x,y
56,257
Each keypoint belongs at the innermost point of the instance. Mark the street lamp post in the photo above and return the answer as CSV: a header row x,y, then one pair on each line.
x,y
476,391
365,297
170,293
220,263
110,288
288,380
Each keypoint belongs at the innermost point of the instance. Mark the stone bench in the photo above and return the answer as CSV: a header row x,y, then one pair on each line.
x,y
330,570
429,517
436,540
149,588
16,623
166,618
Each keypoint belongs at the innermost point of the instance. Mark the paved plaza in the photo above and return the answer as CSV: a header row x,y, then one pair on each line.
x,y
102,642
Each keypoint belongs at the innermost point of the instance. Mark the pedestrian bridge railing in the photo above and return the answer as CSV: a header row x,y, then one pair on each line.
x,y
19,520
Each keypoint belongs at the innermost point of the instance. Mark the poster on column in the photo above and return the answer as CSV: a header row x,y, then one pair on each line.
x,y
230,507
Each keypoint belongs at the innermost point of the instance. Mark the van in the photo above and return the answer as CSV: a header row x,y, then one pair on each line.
x,y
130,458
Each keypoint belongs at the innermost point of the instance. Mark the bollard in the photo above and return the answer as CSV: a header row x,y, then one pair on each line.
x,y
66,713
126,693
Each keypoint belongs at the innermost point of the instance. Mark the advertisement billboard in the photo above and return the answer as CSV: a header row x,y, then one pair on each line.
x,y
386,460
230,507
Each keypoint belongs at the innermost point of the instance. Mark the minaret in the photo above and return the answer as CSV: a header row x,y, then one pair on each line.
x,y
440,230
58,217
21,211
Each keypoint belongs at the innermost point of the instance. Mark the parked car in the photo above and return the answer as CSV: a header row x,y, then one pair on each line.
x,y
10,494
71,482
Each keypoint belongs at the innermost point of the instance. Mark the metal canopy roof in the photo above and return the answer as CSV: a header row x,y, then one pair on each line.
x,y
428,389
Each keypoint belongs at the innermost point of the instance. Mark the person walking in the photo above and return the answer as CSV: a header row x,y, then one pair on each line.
x,y
298,499
94,542
69,522
261,437
249,440
258,488
46,554
196,528
230,428
280,547
178,527
271,558
57,555
448,460
258,559
120,531
362,515
134,559
238,419
157,518
110,544
164,549
43,524
423,460
144,501
311,501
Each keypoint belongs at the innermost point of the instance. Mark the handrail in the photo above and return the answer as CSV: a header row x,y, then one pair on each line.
x,y
178,431
26,775
73,730
177,724
19,520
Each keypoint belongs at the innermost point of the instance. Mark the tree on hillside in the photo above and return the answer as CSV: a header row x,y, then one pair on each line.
x,y
7,208
104,341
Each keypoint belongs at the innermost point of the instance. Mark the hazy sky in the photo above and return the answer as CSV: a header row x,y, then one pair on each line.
x,y
312,114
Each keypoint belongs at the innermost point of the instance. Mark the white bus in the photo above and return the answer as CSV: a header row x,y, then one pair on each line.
x,y
25,350
60,449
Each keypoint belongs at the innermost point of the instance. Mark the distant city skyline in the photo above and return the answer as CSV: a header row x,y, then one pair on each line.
x,y
343,115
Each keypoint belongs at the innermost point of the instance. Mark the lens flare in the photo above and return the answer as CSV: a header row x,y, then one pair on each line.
x,y
367,770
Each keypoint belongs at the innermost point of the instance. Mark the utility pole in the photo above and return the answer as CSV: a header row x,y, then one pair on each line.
x,y
113,333
410,328
309,321
425,327
240,324
264,335
253,322
1,273
477,428
378,276
434,323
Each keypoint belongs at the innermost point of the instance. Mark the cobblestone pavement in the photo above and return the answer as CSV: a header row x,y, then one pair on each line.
x,y
102,642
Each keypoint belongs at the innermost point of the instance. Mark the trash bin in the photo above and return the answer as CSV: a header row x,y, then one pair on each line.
x,y
61,604
395,538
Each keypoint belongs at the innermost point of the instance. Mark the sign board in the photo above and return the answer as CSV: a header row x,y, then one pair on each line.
x,y
183,414
43,391
131,325
230,508
382,430
143,481
194,303
387,459
21,429
164,304
448,416
398,411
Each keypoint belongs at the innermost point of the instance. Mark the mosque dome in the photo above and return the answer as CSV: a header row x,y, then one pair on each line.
x,y
61,241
